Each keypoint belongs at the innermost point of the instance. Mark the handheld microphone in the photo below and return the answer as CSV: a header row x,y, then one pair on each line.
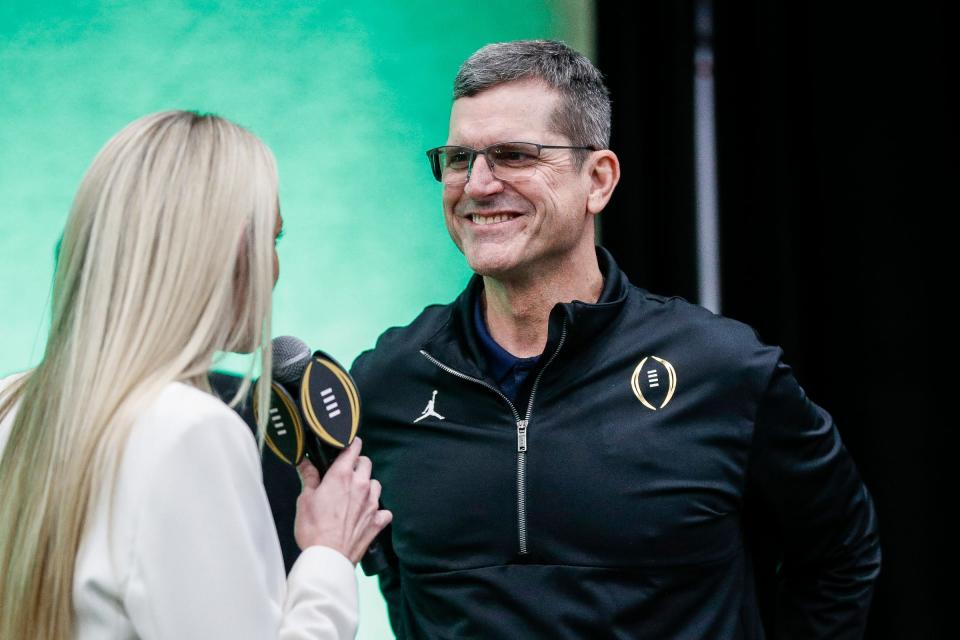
x,y
285,433
314,412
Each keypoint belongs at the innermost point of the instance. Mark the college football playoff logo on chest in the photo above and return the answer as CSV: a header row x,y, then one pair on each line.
x,y
654,382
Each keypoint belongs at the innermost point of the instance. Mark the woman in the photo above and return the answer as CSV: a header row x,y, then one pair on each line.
x,y
131,504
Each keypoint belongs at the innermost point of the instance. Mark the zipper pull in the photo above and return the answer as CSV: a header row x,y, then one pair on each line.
x,y
521,435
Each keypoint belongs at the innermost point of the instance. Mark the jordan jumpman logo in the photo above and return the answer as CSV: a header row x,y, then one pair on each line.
x,y
429,410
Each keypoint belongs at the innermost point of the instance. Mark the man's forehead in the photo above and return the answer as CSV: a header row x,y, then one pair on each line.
x,y
509,111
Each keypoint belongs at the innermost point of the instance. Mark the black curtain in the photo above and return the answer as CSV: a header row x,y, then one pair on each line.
x,y
645,51
834,135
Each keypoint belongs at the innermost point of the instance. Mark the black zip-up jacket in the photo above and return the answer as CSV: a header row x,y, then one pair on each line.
x,y
609,501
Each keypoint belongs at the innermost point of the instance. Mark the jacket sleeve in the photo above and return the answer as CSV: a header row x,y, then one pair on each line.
x,y
389,578
390,585
205,562
803,474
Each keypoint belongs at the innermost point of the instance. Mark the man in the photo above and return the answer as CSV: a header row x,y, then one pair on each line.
x,y
567,455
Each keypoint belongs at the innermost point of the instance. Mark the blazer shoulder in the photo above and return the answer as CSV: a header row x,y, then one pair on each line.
x,y
180,411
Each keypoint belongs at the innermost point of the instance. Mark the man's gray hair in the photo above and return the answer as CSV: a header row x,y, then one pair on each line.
x,y
583,114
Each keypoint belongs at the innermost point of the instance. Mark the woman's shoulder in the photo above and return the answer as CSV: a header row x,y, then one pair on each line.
x,y
182,415
183,403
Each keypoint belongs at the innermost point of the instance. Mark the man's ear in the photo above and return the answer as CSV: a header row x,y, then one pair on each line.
x,y
604,171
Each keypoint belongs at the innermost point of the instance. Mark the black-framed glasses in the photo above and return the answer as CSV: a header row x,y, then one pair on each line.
x,y
508,161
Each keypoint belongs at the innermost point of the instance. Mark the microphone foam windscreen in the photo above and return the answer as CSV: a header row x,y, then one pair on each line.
x,y
290,358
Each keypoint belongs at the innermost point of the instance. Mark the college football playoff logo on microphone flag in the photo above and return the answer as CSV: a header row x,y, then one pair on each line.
x,y
284,434
330,402
654,382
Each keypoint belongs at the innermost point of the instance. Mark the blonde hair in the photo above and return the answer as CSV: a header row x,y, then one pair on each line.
x,y
166,259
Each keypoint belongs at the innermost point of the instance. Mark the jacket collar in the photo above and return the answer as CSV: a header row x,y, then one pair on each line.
x,y
458,346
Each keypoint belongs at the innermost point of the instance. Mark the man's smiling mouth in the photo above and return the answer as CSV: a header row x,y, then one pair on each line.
x,y
484,219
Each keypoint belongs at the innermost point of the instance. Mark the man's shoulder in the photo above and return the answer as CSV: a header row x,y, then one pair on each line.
x,y
688,315
399,341
674,319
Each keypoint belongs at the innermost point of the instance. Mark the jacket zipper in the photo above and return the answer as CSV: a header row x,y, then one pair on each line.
x,y
522,425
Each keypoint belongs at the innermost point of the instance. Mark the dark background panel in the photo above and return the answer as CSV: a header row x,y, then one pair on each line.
x,y
835,135
645,51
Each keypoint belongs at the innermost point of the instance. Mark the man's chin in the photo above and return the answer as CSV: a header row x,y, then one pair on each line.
x,y
488,266
484,264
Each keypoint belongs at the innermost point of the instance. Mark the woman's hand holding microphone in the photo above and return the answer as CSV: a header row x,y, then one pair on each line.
x,y
341,510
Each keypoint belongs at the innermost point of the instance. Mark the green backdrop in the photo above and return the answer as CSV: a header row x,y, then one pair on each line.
x,y
348,96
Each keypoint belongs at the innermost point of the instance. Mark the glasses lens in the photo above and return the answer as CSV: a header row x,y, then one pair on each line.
x,y
510,161
433,156
514,160
453,163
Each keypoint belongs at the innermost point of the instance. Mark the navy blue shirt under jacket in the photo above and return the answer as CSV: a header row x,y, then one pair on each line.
x,y
506,369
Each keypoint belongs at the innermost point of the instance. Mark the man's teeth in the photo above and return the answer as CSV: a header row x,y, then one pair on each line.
x,y
490,219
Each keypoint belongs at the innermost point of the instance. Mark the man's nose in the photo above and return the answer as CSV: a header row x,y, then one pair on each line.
x,y
480,179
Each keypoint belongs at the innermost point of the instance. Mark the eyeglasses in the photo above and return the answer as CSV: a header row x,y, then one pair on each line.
x,y
508,161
